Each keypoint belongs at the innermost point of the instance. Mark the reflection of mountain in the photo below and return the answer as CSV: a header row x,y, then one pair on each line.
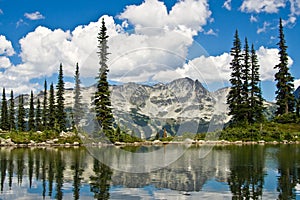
x,y
248,171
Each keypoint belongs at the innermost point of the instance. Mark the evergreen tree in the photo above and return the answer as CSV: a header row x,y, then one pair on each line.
x,y
102,102
51,116
45,109
21,114
77,109
38,116
60,108
31,125
245,72
234,98
4,113
285,85
256,100
12,124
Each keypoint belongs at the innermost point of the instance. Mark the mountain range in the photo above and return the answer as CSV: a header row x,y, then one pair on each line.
x,y
177,107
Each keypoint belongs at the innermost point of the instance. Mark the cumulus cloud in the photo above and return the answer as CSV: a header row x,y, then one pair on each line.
x,y
156,53
34,16
211,69
296,83
196,14
6,47
1,12
268,6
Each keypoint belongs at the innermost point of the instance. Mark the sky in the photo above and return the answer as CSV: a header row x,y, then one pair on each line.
x,y
149,40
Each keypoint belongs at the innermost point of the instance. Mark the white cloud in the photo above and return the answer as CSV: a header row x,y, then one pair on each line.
x,y
4,62
34,16
227,4
268,58
210,32
196,14
264,28
1,12
258,6
20,22
296,83
253,19
6,47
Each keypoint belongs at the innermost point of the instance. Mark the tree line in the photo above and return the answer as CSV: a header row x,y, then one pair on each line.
x,y
49,114
245,99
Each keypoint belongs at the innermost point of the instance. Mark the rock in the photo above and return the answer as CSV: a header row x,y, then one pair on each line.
x,y
76,143
156,141
55,140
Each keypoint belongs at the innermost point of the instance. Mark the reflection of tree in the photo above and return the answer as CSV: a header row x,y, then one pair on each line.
x,y
3,165
60,166
51,159
20,164
100,182
44,173
247,176
30,166
288,160
78,170
10,169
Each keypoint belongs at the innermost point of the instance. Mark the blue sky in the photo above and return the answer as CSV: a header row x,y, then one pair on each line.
x,y
193,38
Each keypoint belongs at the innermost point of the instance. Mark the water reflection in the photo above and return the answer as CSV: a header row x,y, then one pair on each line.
x,y
228,172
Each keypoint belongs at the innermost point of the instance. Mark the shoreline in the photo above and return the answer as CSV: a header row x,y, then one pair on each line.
x,y
9,143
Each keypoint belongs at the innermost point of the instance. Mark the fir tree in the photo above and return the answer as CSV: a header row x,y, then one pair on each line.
x,y
77,109
38,116
245,71
51,115
234,98
31,125
4,113
256,100
21,114
12,124
102,102
60,108
285,86
45,109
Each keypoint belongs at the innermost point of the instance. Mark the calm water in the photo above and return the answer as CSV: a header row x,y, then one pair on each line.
x,y
227,172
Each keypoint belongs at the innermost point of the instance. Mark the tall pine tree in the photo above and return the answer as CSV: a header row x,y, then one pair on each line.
x,y
21,114
102,95
285,86
245,106
12,124
38,116
77,108
256,99
45,108
51,115
31,124
60,101
234,98
4,113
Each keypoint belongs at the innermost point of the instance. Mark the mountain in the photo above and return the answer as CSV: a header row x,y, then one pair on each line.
x,y
180,106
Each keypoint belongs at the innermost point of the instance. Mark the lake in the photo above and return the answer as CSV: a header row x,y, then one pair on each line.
x,y
223,172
